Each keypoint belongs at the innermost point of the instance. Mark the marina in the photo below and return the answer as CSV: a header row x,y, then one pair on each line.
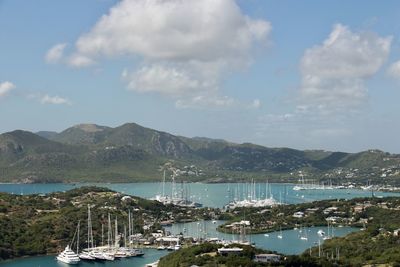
x,y
209,195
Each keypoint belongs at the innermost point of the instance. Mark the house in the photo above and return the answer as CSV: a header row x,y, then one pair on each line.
x,y
298,214
230,251
267,258
329,210
396,232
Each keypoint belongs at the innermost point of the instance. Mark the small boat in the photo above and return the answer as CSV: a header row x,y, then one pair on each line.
x,y
280,236
68,256
120,254
170,248
266,235
177,247
321,232
161,248
137,252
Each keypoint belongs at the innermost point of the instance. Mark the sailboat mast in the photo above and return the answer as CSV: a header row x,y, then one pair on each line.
x,y
109,231
163,185
88,228
77,240
124,235
102,234
116,232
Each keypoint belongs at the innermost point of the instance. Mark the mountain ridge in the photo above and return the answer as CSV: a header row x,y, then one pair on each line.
x,y
131,152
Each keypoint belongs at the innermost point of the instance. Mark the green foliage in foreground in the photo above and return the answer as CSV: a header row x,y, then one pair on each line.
x,y
206,255
376,245
45,224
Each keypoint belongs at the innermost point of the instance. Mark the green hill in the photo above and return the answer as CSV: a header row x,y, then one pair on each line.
x,y
130,152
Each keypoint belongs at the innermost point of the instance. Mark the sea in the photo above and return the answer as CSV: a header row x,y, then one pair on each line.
x,y
210,195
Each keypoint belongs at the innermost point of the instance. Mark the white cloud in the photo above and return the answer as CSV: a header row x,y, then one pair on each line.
x,y
334,73
165,80
56,53
55,100
173,30
186,46
5,88
205,101
394,70
80,61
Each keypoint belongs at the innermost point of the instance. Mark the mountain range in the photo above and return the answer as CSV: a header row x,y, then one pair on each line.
x,y
130,152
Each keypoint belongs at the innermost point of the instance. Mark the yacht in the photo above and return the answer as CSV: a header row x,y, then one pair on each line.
x,y
84,255
97,255
137,252
68,256
109,256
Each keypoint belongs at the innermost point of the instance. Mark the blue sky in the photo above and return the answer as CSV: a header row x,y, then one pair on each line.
x,y
300,74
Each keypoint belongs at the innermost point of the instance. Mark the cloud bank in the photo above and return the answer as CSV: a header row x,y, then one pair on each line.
x,y
334,73
5,88
186,47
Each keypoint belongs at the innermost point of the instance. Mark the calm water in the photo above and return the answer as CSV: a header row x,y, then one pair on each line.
x,y
289,244
151,255
210,195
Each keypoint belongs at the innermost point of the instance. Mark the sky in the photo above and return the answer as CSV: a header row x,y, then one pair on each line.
x,y
302,74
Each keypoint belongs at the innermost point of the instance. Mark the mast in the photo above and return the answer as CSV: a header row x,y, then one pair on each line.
x,y
77,240
102,234
163,186
116,232
109,232
129,225
124,235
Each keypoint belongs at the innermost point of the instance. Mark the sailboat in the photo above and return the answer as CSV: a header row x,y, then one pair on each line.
x,y
330,232
280,236
304,235
86,255
68,255
109,255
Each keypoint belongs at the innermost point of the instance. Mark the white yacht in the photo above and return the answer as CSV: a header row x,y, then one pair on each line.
x,y
109,256
68,256
84,255
97,255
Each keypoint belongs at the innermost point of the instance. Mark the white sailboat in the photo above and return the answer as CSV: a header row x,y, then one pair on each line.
x,y
304,235
280,236
86,255
68,256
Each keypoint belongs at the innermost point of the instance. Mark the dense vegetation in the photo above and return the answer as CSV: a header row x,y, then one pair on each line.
x,y
378,244
42,224
206,255
130,152
265,220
